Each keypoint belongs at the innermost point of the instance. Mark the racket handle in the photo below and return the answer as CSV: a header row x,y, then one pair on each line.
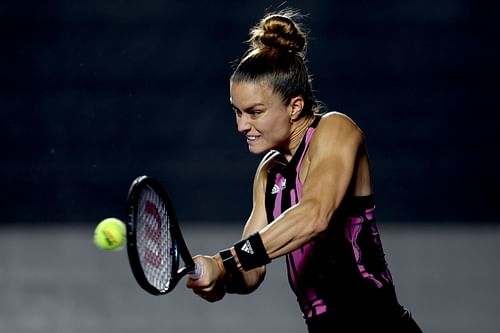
x,y
197,271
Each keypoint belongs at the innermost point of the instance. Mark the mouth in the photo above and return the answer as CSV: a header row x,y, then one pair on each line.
x,y
252,138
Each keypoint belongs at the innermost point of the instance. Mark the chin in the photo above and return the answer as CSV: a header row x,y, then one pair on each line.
x,y
257,150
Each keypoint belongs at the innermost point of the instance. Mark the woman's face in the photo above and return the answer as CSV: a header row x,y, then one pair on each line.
x,y
261,116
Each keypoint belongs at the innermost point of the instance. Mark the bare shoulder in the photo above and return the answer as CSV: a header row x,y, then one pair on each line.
x,y
269,161
338,127
338,120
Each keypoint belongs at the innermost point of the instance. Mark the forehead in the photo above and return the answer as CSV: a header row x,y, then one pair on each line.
x,y
244,93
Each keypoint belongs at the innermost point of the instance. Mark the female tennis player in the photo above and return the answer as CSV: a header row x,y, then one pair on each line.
x,y
312,196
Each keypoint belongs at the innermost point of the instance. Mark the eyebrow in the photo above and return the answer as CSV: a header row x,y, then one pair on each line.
x,y
253,106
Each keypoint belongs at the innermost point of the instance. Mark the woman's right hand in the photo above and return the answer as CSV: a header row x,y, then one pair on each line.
x,y
209,285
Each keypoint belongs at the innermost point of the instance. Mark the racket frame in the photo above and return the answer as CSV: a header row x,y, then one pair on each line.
x,y
179,247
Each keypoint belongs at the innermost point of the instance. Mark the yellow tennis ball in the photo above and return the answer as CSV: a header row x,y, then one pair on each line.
x,y
110,234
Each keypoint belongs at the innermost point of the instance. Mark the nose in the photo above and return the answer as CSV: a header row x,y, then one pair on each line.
x,y
244,125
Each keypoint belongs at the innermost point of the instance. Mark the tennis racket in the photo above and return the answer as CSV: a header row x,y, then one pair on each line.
x,y
154,240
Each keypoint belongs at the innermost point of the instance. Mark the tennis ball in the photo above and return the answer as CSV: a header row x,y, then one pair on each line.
x,y
110,234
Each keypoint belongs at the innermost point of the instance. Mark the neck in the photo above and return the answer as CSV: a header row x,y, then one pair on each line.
x,y
298,130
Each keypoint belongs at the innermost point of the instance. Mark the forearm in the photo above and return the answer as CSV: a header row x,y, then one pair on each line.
x,y
245,282
238,281
294,228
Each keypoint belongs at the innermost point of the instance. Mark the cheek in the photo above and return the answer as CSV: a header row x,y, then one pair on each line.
x,y
278,129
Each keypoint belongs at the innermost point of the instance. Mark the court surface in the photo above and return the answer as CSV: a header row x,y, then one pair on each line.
x,y
55,281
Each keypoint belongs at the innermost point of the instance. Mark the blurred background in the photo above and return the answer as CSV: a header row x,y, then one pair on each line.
x,y
95,93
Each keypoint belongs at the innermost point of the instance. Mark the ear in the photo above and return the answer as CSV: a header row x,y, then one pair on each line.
x,y
296,106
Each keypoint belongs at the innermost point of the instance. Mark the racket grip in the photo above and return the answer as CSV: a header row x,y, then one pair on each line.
x,y
197,271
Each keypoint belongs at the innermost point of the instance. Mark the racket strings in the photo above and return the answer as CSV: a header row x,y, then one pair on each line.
x,y
154,243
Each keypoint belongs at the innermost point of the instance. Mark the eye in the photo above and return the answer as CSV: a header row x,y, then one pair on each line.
x,y
254,113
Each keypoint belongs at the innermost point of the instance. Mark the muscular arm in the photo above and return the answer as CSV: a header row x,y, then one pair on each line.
x,y
332,156
244,282
247,281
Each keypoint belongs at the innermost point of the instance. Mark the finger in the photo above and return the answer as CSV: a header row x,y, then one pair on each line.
x,y
197,271
193,284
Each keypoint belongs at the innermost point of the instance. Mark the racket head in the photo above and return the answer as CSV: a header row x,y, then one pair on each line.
x,y
153,238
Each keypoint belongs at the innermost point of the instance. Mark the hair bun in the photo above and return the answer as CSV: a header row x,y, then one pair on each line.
x,y
278,31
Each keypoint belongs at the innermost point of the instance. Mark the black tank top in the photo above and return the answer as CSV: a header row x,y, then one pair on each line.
x,y
344,268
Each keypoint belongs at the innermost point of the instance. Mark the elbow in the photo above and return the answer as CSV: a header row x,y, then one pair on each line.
x,y
317,220
320,225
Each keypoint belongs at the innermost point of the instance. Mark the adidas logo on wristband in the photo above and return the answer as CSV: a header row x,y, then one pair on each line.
x,y
251,252
247,247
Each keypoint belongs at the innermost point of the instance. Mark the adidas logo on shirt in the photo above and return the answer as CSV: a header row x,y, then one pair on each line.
x,y
276,188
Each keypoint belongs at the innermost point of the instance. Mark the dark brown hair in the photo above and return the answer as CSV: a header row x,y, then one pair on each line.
x,y
276,56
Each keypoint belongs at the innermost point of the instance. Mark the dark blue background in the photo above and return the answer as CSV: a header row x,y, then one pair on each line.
x,y
95,93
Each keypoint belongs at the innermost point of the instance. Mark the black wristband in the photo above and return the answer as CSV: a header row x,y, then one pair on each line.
x,y
251,252
228,261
